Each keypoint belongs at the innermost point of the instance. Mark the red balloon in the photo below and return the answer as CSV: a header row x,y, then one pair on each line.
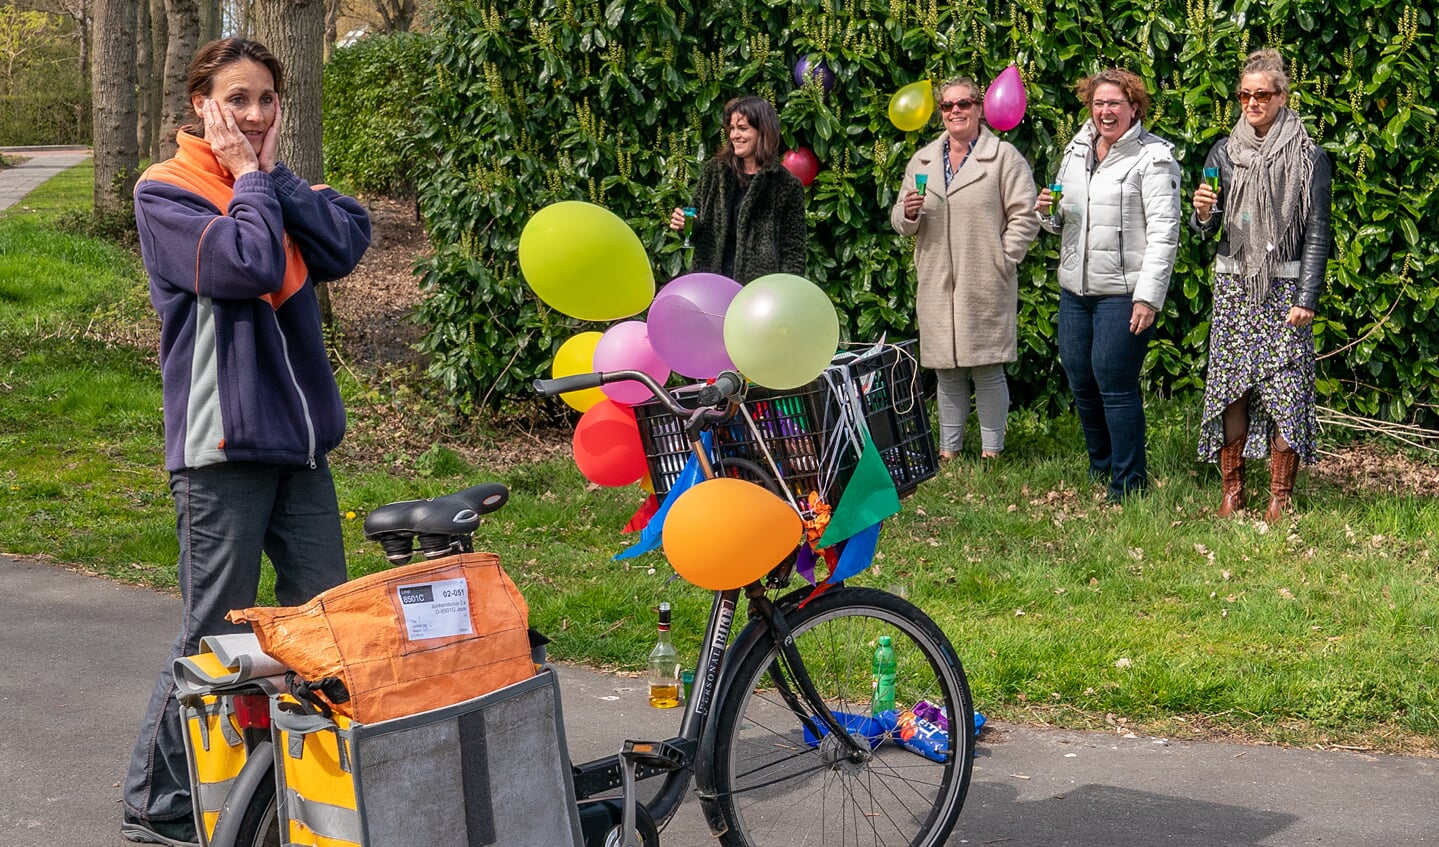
x,y
607,445
802,164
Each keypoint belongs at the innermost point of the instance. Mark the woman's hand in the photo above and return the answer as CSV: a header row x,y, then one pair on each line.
x,y
677,219
270,145
1205,199
913,202
1045,200
230,146
1141,318
1300,316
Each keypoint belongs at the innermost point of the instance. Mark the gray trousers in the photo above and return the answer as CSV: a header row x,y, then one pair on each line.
x,y
991,399
225,516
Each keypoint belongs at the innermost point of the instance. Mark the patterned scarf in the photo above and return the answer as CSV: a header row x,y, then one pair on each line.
x,y
1269,196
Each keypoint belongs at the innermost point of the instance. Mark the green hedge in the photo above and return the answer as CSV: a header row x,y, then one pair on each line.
x,y
618,103
29,120
373,92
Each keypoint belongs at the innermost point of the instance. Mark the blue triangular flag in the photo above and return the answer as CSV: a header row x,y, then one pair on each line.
x,y
650,536
857,555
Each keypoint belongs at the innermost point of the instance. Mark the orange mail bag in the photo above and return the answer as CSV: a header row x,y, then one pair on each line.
x,y
406,640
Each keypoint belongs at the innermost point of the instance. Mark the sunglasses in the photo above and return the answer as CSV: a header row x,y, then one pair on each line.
x,y
948,105
1260,97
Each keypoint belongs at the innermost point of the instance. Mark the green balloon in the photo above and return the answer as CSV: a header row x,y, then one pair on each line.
x,y
912,105
586,262
781,331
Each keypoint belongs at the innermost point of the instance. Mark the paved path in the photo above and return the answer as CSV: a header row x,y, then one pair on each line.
x,y
78,656
40,164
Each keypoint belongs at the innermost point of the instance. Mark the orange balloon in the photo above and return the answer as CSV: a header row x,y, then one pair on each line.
x,y
726,533
607,445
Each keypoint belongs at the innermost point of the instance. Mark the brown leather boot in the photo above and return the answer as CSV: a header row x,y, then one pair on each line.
x,y
1283,465
1231,468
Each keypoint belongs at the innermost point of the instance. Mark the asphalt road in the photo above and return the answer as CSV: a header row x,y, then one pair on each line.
x,y
78,655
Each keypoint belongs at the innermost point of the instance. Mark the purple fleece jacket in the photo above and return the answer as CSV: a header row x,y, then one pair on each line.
x,y
232,265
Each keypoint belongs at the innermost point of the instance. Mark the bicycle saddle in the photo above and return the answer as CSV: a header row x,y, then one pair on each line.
x,y
437,521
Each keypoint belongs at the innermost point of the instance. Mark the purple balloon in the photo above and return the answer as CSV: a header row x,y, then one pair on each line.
x,y
686,323
626,347
813,67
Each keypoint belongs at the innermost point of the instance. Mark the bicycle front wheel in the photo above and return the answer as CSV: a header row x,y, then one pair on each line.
x,y
778,784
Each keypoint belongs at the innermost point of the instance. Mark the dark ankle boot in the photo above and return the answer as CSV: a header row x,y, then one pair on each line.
x,y
1283,465
1231,468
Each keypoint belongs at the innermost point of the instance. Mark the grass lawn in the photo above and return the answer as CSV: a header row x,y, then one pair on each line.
x,y
1065,610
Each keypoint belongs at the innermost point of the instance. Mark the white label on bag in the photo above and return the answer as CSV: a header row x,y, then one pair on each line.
x,y
436,609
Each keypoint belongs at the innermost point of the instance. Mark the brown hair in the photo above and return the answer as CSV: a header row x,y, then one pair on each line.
x,y
221,53
1267,61
761,115
1127,81
975,91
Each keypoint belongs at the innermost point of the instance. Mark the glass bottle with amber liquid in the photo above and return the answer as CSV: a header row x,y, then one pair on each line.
x,y
664,666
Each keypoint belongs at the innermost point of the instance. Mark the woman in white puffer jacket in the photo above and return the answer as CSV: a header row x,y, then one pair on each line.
x,y
1118,221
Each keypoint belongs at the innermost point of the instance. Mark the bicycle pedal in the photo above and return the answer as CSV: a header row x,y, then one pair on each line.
x,y
660,755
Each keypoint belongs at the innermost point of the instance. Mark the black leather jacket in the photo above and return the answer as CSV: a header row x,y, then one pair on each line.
x,y
1318,240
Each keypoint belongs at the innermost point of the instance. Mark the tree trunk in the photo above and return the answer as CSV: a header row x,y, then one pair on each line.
x,y
182,40
113,105
294,30
211,20
159,39
145,93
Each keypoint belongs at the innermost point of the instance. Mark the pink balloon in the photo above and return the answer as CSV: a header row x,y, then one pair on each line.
x,y
686,323
802,164
1005,102
626,347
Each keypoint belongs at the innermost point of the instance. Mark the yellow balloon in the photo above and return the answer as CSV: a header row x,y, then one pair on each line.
x,y
726,533
585,262
912,105
577,356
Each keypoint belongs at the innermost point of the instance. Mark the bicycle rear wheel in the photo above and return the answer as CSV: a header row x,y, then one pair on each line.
x,y
778,785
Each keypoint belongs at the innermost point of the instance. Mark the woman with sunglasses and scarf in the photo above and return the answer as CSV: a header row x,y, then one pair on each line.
x,y
1118,225
1271,214
749,210
972,225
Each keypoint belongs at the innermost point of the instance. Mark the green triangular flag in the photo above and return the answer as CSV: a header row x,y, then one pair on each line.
x,y
869,497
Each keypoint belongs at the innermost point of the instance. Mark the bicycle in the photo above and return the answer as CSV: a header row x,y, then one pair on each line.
x,y
773,735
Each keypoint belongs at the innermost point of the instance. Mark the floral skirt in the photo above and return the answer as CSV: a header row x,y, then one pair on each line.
x,y
1252,349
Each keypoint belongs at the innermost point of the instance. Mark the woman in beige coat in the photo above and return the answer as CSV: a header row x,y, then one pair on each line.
x,y
968,200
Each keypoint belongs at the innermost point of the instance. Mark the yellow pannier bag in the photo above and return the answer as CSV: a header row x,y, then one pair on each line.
x,y
493,770
223,694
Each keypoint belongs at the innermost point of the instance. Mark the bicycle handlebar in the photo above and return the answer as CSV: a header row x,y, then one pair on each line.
x,y
725,389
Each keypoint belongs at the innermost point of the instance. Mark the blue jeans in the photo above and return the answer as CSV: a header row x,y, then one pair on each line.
x,y
1102,359
225,516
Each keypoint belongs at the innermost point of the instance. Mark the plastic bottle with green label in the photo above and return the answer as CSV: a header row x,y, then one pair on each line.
x,y
882,698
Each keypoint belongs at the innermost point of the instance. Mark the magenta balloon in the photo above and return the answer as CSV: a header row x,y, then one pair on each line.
x,y
626,347
802,164
686,323
1005,102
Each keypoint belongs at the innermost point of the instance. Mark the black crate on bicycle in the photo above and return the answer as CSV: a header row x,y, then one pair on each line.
x,y
804,429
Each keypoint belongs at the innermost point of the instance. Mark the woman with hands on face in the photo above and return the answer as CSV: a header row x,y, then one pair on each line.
x,y
1118,224
972,225
1274,241
233,243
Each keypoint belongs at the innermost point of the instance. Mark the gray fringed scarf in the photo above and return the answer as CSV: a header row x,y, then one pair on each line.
x,y
1269,196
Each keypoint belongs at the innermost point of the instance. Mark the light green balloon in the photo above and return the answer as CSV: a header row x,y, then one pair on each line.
x,y
781,331
911,106
586,262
